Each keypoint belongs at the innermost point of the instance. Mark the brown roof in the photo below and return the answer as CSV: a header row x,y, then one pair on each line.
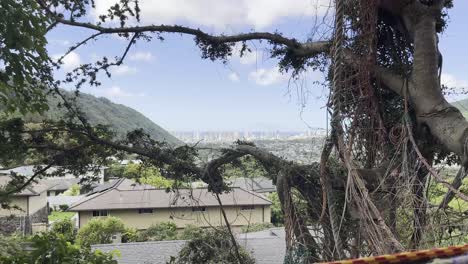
x,y
30,190
128,195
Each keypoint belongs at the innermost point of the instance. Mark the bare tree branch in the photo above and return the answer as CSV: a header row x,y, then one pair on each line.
x,y
300,49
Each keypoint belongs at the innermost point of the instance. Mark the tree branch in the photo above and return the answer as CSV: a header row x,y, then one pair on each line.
x,y
391,80
76,46
300,49
30,180
457,183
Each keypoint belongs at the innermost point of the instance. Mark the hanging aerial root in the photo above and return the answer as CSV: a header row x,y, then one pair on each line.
x,y
378,235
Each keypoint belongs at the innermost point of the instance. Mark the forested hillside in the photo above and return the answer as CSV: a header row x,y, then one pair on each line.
x,y
462,105
100,110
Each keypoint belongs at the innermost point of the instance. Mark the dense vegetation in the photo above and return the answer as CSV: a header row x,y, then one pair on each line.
x,y
462,105
62,244
143,174
54,247
212,247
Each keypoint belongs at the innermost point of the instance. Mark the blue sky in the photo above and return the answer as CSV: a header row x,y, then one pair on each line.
x,y
169,82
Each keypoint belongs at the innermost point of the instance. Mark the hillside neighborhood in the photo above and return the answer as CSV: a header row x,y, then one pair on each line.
x,y
139,206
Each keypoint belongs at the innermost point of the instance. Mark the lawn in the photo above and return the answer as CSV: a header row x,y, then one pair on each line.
x,y
56,215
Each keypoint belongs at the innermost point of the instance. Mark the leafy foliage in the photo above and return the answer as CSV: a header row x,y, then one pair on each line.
x,y
143,174
256,227
246,166
277,215
130,235
50,247
58,216
74,190
27,67
213,246
11,250
100,231
66,228
158,232
190,232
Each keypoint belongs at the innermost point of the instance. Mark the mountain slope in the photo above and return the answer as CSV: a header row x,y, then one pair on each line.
x,y
100,110
462,105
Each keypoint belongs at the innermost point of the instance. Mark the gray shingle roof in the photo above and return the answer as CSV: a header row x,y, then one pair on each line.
x,y
269,250
63,199
59,184
256,184
29,170
125,194
30,190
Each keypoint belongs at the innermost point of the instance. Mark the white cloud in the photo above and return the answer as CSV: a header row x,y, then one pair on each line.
x,y
222,13
266,77
453,82
141,56
123,70
70,62
457,88
233,77
60,42
115,92
250,57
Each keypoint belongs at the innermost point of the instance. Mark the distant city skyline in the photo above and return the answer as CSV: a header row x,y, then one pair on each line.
x,y
230,136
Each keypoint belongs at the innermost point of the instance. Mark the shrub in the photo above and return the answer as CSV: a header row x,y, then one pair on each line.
x,y
210,247
64,207
190,232
50,248
158,232
66,228
74,190
11,251
130,235
256,227
277,216
100,231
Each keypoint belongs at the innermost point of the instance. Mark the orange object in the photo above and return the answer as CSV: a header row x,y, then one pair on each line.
x,y
408,257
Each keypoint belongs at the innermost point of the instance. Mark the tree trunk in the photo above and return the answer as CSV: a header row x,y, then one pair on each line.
x,y
444,121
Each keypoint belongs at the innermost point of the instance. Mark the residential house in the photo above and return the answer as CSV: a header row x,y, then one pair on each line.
x,y
264,249
55,202
261,185
140,206
28,209
58,186
29,170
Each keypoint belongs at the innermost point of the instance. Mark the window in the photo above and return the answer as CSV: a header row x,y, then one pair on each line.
x,y
100,213
145,211
198,209
247,207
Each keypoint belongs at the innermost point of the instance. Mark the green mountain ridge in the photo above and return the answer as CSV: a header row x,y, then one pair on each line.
x,y
99,110
462,105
